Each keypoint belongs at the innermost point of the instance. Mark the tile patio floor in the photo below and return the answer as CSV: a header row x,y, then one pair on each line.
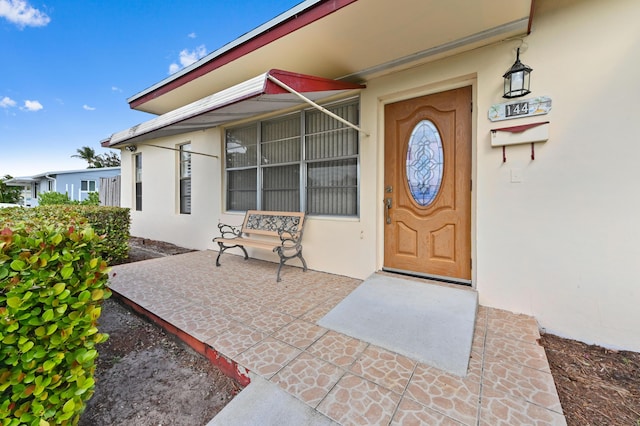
x,y
269,328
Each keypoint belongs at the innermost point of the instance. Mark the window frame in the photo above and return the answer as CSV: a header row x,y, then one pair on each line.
x,y
303,162
184,207
137,179
88,182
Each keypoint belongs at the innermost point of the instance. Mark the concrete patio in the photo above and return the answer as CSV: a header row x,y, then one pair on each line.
x,y
251,326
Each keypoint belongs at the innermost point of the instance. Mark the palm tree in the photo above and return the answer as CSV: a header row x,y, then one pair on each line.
x,y
87,154
109,159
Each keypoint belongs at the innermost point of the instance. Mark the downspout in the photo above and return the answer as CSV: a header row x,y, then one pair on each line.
x,y
52,179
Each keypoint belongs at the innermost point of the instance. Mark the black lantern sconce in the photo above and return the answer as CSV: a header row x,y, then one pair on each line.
x,y
516,80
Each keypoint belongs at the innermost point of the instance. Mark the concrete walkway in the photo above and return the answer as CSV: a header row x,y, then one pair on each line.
x,y
302,373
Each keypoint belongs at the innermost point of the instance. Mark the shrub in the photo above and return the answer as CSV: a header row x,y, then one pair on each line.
x,y
114,223
110,221
93,199
52,283
53,198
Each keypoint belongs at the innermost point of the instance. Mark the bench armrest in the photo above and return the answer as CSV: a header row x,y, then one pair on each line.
x,y
229,231
289,239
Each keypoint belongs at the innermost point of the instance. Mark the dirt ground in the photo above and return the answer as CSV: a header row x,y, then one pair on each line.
x,y
146,378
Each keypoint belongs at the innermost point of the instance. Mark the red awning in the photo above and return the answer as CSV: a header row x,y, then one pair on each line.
x,y
253,97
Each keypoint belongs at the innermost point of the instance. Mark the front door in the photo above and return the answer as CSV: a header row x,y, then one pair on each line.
x,y
427,186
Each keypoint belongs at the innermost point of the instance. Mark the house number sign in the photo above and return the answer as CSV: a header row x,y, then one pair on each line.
x,y
514,110
524,108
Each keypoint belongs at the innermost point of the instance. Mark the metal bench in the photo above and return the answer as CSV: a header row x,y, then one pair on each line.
x,y
279,232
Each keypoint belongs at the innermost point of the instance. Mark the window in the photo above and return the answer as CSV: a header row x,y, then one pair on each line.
x,y
86,185
305,161
185,178
138,180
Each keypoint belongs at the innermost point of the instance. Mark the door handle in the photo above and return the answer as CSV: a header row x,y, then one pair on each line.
x,y
387,208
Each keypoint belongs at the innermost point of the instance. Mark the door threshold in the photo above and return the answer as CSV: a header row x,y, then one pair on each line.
x,y
440,278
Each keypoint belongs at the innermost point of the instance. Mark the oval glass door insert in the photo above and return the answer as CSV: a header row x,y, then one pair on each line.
x,y
425,162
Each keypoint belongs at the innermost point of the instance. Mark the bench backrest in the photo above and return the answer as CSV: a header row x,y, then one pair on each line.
x,y
268,222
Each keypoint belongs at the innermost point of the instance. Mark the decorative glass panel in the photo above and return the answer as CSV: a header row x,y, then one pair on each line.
x,y
425,162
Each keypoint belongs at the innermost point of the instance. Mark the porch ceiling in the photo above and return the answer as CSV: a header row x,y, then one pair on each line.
x,y
358,41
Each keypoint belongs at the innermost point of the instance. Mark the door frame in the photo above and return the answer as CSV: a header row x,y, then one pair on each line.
x,y
416,92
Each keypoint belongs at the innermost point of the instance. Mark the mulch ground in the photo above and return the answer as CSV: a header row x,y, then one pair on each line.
x,y
596,386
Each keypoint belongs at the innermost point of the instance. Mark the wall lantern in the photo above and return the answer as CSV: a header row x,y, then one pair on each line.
x,y
131,148
516,80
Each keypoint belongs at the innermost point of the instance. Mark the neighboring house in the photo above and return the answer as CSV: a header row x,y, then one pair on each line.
x,y
77,184
540,220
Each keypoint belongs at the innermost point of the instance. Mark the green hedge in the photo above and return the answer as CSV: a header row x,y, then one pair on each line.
x,y
52,284
111,221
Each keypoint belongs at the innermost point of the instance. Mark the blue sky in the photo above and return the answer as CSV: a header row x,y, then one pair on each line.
x,y
68,67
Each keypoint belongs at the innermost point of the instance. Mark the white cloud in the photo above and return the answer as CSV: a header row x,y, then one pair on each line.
x,y
116,89
188,57
192,35
32,106
173,68
88,108
7,102
22,14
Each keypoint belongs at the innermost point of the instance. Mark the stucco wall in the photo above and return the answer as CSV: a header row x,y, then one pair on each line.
x,y
561,245
160,216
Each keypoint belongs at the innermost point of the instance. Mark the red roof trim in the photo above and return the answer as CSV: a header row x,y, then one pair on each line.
x,y
304,83
309,16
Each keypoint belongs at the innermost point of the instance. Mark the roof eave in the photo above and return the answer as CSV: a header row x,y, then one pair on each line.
x,y
285,23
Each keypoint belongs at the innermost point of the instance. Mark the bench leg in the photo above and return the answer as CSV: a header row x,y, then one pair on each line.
x,y
304,264
220,251
223,248
282,260
246,256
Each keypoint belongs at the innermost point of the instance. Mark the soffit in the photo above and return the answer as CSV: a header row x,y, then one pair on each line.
x,y
362,40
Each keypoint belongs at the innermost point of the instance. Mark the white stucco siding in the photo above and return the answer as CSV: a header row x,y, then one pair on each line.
x,y
160,217
562,244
